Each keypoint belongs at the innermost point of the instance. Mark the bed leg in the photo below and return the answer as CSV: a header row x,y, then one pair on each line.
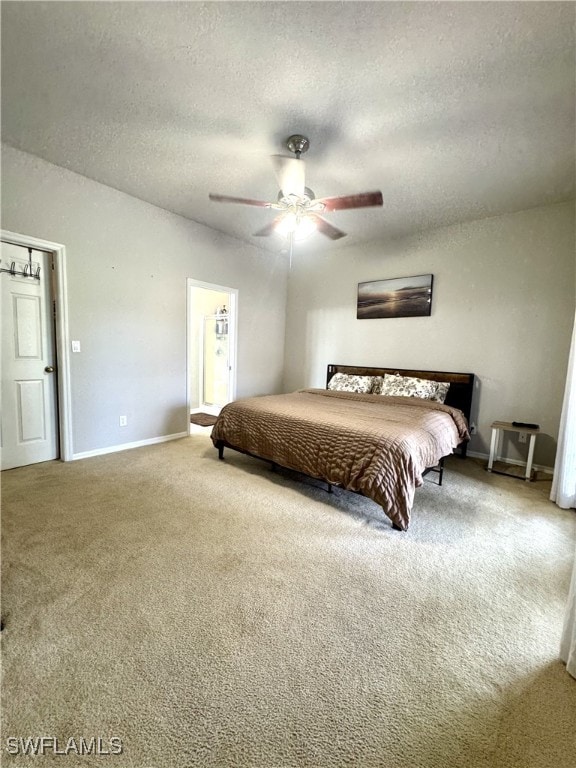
x,y
329,487
220,447
441,472
396,527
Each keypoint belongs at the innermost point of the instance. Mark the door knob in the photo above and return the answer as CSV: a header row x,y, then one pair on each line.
x,y
49,369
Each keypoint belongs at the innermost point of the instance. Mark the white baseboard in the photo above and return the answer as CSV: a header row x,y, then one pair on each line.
x,y
539,467
128,446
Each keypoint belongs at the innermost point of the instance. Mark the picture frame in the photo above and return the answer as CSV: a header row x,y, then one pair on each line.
x,y
396,297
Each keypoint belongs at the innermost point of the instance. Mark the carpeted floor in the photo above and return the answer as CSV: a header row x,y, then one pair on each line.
x,y
213,613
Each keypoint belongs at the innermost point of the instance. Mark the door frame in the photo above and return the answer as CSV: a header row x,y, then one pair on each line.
x,y
61,342
232,330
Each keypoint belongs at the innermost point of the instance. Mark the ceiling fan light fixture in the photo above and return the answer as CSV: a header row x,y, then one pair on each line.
x,y
286,225
300,227
304,228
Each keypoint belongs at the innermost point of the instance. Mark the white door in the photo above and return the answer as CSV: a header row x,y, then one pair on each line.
x,y
29,417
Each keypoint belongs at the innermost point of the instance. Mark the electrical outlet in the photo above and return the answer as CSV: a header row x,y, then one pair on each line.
x,y
473,429
522,437
123,421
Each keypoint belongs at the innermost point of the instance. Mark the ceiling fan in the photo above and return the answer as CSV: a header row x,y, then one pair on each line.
x,y
299,210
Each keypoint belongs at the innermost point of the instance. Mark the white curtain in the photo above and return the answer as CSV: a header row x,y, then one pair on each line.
x,y
564,494
564,481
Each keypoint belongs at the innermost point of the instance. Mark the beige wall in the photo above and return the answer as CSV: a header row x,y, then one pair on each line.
x,y
128,263
502,308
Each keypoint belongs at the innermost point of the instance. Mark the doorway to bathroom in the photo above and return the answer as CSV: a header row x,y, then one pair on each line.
x,y
212,317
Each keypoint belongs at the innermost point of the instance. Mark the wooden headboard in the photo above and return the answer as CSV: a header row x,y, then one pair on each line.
x,y
459,394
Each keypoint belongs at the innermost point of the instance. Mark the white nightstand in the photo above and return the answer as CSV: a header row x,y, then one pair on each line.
x,y
506,426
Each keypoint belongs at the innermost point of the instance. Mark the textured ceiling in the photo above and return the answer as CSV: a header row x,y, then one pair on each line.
x,y
455,110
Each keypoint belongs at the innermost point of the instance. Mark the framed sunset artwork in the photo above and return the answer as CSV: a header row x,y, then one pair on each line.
x,y
398,297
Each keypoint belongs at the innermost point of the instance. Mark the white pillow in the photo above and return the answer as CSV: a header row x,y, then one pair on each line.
x,y
409,386
347,382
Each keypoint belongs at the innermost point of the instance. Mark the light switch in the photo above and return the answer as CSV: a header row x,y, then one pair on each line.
x,y
75,346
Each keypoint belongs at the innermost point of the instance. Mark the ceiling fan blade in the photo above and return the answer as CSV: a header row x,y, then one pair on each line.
x,y
325,228
290,173
363,200
242,200
269,228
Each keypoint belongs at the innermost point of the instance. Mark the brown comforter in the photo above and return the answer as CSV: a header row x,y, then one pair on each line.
x,y
378,446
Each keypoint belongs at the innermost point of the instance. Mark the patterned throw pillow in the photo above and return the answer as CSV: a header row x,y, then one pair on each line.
x,y
346,382
408,386
441,391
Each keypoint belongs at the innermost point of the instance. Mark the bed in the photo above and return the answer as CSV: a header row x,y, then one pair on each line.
x,y
359,433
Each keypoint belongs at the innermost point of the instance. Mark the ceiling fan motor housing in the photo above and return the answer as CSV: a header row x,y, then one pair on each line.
x,y
308,194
